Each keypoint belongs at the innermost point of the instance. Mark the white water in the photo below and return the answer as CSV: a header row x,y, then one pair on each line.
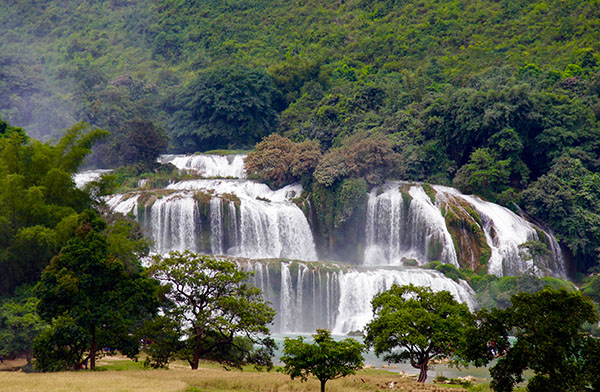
x,y
270,226
505,231
415,228
338,297
248,219
396,231
206,165
357,289
84,178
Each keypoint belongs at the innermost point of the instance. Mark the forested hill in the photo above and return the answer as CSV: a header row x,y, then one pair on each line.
x,y
499,98
59,58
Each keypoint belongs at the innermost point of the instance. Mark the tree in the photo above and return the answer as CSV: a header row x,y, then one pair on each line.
x,y
225,106
278,161
98,292
134,142
217,308
417,325
485,174
549,340
19,324
326,359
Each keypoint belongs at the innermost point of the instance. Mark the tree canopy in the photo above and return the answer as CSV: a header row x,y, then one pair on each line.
x,y
547,326
221,316
95,293
417,325
326,359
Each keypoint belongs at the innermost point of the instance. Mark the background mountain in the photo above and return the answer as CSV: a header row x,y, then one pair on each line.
x,y
498,98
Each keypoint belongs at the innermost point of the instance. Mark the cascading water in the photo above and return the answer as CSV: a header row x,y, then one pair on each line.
x,y
406,225
207,165
403,224
506,232
223,217
85,177
336,297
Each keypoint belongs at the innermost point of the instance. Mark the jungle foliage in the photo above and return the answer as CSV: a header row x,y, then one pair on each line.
x,y
497,98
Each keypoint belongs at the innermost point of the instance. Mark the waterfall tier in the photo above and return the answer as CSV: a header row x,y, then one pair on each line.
x,y
207,165
333,296
222,217
85,177
413,224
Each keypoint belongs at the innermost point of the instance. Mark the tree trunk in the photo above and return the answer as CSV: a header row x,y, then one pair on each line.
x,y
323,385
423,372
93,347
196,360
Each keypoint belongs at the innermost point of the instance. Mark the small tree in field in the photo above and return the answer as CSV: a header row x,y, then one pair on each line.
x,y
417,325
326,359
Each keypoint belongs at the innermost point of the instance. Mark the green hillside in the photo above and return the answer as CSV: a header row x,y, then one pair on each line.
x,y
499,98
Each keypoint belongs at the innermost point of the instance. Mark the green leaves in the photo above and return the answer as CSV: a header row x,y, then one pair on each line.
x,y
214,305
417,325
101,295
326,359
547,327
225,106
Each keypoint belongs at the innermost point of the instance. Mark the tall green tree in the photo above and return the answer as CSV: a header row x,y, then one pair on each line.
x,y
225,106
222,316
417,325
102,294
547,326
326,359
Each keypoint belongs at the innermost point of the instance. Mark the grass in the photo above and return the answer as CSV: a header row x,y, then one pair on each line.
x,y
122,375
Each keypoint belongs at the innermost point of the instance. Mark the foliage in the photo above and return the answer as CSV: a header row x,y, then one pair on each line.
x,y
415,324
225,106
326,359
566,198
369,157
494,292
96,290
484,174
38,200
514,93
221,315
61,347
547,327
135,142
278,161
19,324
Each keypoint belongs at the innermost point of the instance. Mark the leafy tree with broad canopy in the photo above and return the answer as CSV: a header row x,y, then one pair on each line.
x,y
547,326
225,106
326,359
222,316
417,325
89,292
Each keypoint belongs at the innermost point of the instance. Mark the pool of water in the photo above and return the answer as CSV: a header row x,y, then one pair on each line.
x,y
371,359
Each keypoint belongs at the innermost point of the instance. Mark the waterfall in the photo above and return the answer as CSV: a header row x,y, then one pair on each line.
x,y
403,224
406,225
233,217
357,289
85,177
207,166
338,297
505,231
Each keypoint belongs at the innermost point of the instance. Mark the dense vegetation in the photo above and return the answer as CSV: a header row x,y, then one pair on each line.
x,y
497,98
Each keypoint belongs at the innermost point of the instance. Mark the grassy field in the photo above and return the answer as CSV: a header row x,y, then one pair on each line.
x,y
116,375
